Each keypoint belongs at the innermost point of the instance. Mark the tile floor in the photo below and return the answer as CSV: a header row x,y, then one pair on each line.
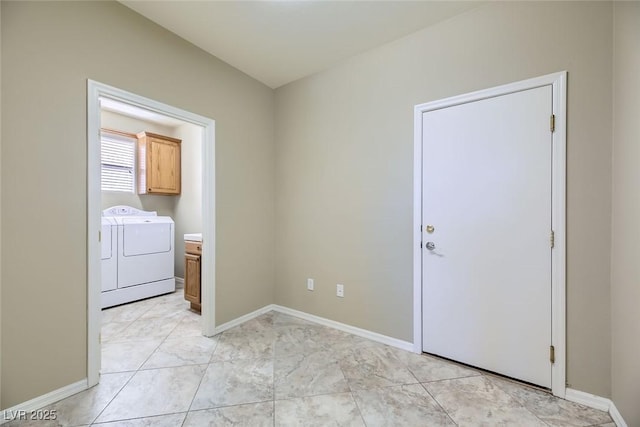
x,y
157,370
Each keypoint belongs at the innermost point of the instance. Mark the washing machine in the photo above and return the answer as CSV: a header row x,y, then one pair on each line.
x,y
109,255
145,255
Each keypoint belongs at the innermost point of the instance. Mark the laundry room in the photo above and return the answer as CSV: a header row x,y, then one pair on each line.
x,y
151,179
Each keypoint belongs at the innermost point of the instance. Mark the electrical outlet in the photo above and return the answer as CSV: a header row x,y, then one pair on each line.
x,y
309,284
340,290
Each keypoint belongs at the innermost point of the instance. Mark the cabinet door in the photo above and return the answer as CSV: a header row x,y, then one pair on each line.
x,y
192,278
163,166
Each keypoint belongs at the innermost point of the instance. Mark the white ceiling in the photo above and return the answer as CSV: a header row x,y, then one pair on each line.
x,y
277,42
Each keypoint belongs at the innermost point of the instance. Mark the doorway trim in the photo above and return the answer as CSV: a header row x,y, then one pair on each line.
x,y
95,91
558,81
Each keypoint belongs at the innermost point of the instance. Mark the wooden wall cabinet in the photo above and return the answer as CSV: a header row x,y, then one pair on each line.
x,y
158,164
192,280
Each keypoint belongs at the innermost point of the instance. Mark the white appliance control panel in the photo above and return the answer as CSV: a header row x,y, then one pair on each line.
x,y
127,211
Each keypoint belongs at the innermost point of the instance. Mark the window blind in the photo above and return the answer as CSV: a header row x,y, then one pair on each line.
x,y
118,153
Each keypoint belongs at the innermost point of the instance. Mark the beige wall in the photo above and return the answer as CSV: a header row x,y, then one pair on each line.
x,y
0,208
49,51
625,268
188,210
344,156
185,209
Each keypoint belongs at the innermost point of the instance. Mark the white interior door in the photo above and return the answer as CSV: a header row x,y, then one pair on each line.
x,y
487,194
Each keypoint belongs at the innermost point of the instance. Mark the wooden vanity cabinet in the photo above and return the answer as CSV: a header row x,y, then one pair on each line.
x,y
192,281
158,164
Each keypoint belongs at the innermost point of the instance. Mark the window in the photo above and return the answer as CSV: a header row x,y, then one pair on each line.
x,y
118,154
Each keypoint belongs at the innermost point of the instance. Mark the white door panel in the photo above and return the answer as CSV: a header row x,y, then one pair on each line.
x,y
487,192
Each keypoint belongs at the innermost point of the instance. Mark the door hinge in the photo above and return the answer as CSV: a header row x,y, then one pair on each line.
x,y
552,354
99,236
552,123
553,239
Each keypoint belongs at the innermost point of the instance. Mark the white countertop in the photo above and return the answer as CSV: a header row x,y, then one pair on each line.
x,y
193,237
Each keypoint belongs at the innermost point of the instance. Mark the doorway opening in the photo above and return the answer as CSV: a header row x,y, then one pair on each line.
x,y
118,108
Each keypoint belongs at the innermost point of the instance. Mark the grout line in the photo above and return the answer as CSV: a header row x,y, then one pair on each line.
x,y
204,373
273,377
358,407
439,405
138,418
114,396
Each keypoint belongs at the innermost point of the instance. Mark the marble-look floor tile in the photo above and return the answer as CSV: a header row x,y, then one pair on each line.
x,y
281,369
127,312
173,420
182,352
167,308
475,401
244,345
335,340
155,392
296,339
81,408
281,319
318,411
428,368
114,330
405,405
371,367
550,409
234,383
258,324
126,356
307,375
146,329
249,415
189,326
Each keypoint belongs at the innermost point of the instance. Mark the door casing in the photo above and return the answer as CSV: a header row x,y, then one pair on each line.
x,y
95,91
558,214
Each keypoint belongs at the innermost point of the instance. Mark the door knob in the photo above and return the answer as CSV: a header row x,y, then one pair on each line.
x,y
431,246
430,229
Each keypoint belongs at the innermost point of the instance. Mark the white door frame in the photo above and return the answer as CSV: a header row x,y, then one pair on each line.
x,y
95,91
558,214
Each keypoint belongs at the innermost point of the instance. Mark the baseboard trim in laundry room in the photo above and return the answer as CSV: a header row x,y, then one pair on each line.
x,y
179,283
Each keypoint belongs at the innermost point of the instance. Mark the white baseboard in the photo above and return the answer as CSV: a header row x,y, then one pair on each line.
x,y
616,416
240,320
373,336
179,283
596,402
39,402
